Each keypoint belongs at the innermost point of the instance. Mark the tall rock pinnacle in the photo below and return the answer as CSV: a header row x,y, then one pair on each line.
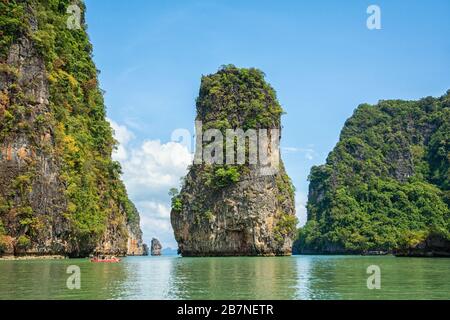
x,y
237,198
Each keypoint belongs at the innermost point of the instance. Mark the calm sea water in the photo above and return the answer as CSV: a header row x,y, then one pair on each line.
x,y
172,277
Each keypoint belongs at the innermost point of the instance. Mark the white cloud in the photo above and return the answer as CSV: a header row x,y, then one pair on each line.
x,y
154,168
161,211
123,136
309,153
300,205
150,169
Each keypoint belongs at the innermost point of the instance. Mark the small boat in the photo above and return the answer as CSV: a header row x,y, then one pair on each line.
x,y
106,260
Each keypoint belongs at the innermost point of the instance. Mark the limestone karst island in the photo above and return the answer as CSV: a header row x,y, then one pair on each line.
x,y
244,150
60,191
233,210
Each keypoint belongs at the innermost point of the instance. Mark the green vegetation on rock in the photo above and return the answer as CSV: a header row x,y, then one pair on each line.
x,y
253,100
385,186
177,204
12,22
224,176
72,128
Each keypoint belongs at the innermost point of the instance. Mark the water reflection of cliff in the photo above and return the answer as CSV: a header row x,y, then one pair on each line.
x,y
300,277
333,277
39,280
234,278
345,277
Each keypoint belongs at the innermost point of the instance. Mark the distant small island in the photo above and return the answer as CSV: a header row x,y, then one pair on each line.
x,y
156,247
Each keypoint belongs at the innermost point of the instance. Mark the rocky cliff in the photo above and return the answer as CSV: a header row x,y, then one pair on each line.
x,y
385,186
60,192
228,206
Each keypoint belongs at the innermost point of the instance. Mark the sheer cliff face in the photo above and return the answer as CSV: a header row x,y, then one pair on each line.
x,y
385,186
241,208
60,192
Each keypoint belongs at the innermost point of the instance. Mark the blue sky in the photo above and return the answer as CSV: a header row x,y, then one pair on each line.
x,y
319,56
